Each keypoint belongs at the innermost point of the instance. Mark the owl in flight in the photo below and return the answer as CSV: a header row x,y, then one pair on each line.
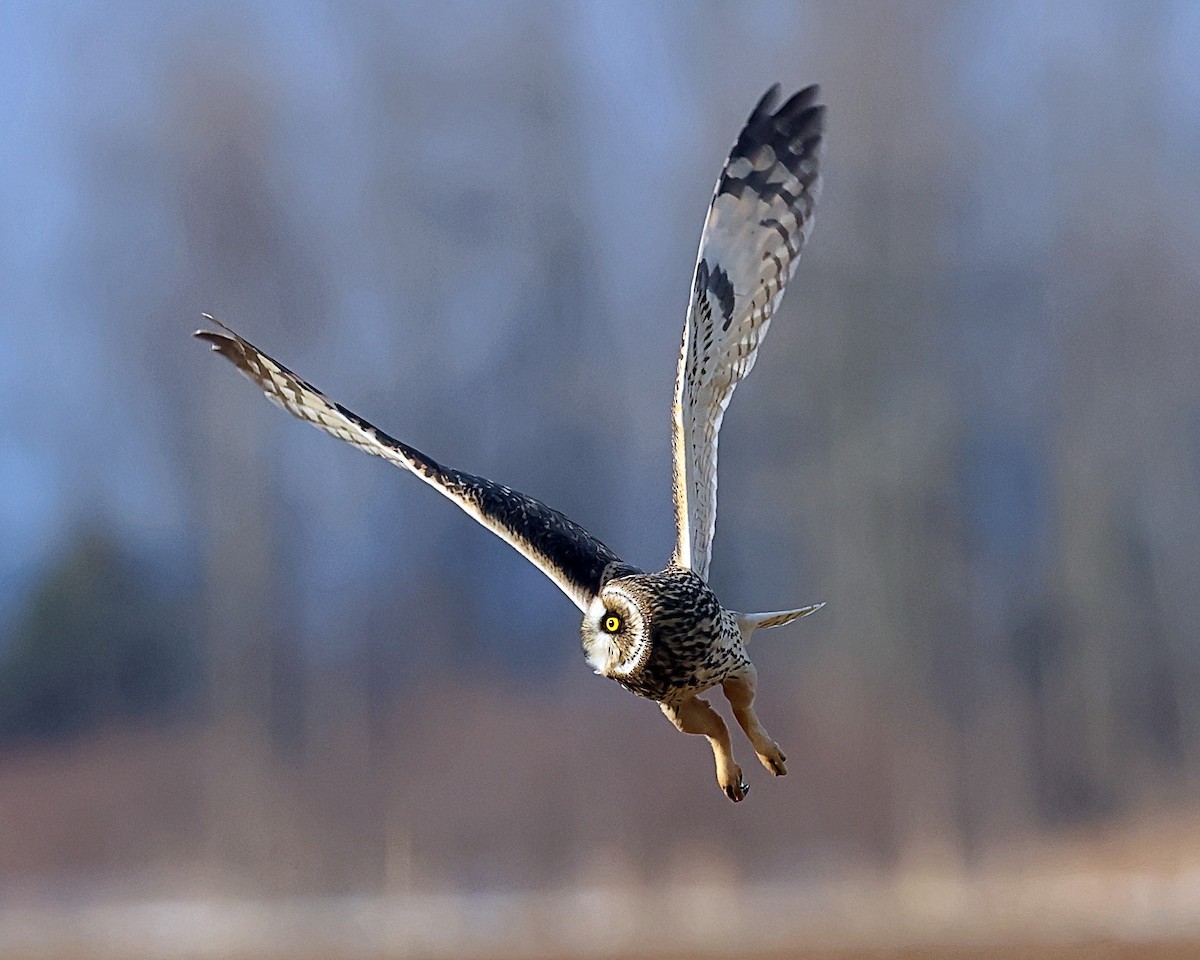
x,y
664,635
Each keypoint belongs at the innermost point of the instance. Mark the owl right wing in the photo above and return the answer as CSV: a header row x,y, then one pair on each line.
x,y
566,553
760,216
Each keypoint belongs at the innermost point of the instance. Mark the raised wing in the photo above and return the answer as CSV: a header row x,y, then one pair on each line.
x,y
759,219
559,547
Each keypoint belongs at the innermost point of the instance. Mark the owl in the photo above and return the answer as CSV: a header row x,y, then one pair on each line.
x,y
661,635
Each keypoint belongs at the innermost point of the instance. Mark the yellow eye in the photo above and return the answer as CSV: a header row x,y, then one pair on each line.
x,y
612,623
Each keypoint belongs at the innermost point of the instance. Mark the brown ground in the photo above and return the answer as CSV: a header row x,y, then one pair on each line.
x,y
1092,950
1096,950
131,804
1084,951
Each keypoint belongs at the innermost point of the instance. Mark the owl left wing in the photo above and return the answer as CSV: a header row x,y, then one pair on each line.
x,y
760,217
566,553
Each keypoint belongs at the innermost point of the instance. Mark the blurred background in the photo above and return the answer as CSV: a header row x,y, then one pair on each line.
x,y
261,695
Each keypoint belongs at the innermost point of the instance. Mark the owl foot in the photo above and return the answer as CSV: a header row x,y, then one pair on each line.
x,y
737,788
774,760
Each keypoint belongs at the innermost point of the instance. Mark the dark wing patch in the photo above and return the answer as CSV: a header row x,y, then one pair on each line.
x,y
793,133
575,560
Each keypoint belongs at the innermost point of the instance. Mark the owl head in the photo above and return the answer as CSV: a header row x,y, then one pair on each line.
x,y
617,629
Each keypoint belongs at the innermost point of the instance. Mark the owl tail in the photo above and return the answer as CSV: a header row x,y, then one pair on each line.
x,y
749,622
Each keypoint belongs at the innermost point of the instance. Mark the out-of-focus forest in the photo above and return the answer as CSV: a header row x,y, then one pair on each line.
x,y
260,694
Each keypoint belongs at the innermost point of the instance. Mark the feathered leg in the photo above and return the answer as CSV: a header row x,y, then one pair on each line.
x,y
694,715
739,690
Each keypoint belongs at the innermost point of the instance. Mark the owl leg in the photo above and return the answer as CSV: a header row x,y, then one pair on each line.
x,y
739,690
694,715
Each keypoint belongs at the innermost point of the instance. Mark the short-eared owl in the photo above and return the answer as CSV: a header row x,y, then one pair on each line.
x,y
661,635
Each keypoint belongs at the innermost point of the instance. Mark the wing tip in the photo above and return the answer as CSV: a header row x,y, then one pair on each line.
x,y
797,126
224,342
215,338
766,103
801,101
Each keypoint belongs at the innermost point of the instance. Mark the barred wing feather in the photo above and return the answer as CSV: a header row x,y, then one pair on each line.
x,y
760,217
566,553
